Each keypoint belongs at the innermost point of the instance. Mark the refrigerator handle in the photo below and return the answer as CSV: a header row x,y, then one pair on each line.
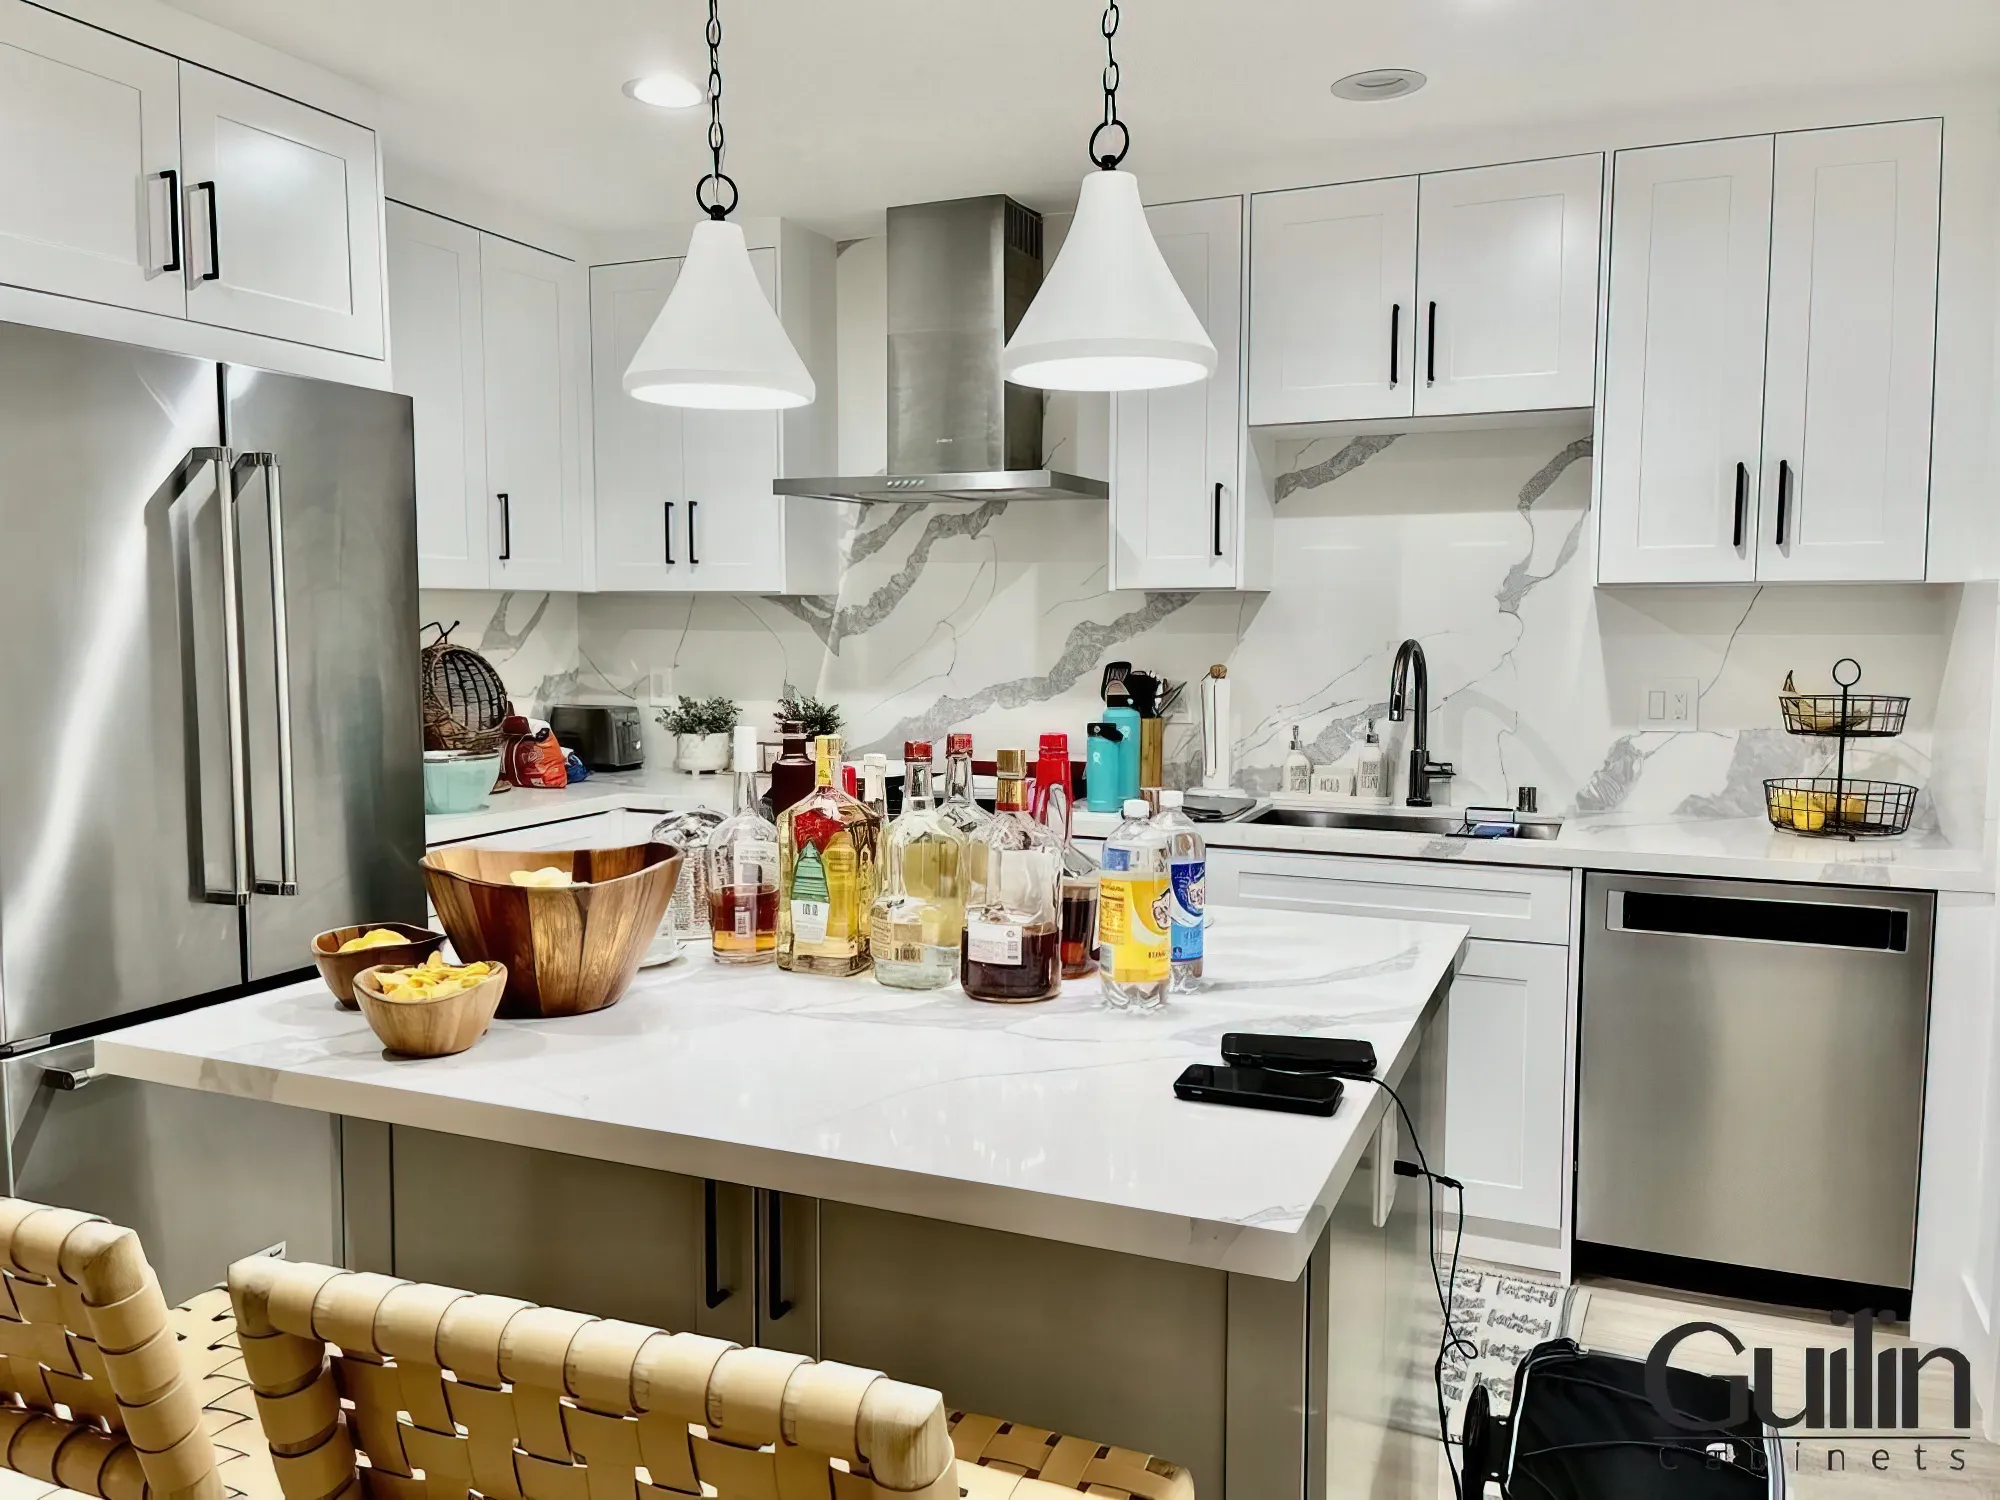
x,y
237,892
287,883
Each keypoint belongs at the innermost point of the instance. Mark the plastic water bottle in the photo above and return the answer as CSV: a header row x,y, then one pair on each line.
x,y
1187,891
1132,939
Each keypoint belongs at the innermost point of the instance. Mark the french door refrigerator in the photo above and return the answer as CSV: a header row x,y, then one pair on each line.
x,y
208,676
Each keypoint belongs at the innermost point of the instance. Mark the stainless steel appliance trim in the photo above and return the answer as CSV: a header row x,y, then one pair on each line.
x,y
901,489
287,883
237,893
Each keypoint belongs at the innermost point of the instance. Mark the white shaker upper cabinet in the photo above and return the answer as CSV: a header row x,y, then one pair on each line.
x,y
283,210
89,161
1847,402
532,316
1507,286
434,316
1679,460
1333,302
1179,517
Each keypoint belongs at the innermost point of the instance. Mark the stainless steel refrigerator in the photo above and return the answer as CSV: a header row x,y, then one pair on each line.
x,y
208,683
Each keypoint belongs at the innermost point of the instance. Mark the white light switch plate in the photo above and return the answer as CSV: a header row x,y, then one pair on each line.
x,y
1670,703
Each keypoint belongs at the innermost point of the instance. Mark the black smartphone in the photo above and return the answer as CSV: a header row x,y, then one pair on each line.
x,y
1344,1056
1259,1088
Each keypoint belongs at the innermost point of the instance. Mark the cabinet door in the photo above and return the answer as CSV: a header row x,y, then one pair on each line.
x,y
1505,1097
531,307
92,151
1176,493
284,223
736,539
1507,279
1333,302
1847,394
1679,462
434,321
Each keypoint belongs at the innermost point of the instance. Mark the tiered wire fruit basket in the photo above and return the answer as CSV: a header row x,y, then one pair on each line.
x,y
1840,805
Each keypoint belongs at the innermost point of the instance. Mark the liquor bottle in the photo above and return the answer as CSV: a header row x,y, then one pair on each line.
x,y
827,846
1050,788
792,771
742,859
959,808
875,785
1012,945
917,922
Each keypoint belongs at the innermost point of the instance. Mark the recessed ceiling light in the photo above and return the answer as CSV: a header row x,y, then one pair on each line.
x,y
665,91
1378,83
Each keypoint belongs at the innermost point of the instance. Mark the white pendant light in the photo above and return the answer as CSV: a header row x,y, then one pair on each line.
x,y
1109,315
717,343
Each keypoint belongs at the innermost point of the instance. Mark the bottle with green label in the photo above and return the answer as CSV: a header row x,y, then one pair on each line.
x,y
828,845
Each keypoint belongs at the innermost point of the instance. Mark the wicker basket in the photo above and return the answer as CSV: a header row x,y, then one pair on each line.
x,y
464,698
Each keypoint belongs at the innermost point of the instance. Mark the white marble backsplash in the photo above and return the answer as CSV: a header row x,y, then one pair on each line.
x,y
995,618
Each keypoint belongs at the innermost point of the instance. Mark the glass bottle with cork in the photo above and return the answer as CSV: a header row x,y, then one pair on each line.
x,y
958,807
1012,946
792,771
828,845
742,859
917,924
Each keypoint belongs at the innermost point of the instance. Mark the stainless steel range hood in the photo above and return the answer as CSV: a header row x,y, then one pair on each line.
x,y
960,276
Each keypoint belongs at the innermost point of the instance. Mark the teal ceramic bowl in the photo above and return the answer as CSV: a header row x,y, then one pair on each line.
x,y
458,781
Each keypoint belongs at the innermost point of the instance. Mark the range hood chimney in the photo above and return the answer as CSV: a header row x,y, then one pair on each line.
x,y
960,276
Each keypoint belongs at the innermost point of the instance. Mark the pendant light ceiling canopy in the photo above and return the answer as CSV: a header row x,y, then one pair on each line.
x,y
1109,315
717,342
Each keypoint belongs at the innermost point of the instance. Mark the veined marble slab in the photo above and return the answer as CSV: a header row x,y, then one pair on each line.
x,y
1056,1120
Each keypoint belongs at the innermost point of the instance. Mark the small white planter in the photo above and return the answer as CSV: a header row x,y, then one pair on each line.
x,y
701,752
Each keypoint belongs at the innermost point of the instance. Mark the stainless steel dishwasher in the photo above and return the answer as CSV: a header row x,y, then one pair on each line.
x,y
1751,1074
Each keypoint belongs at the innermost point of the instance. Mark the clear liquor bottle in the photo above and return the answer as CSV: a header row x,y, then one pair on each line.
x,y
915,928
959,808
742,859
1012,946
827,847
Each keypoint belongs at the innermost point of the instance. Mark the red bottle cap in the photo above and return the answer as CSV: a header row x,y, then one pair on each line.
x,y
918,751
1054,747
958,744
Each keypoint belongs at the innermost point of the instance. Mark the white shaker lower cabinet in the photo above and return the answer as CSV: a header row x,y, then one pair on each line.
x,y
283,209
1184,511
1847,393
1679,461
89,177
1507,1094
1507,278
684,499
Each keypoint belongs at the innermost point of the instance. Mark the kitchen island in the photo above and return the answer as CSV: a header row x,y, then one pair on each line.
x,y
1005,1202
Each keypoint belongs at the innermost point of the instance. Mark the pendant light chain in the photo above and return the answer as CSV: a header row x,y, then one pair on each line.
x,y
1109,160
708,191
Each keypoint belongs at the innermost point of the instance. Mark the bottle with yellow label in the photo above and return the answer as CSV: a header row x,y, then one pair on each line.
x,y
1133,946
827,846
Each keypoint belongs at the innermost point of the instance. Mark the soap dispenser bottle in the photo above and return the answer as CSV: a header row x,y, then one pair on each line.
x,y
1371,770
1298,768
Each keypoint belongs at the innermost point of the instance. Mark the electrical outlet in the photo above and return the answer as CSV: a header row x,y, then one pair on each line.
x,y
1670,703
659,686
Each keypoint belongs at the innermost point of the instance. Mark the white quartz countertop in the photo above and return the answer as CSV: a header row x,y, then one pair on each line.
x,y
1056,1120
643,790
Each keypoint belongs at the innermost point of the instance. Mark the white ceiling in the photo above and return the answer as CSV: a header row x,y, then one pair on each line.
x,y
837,108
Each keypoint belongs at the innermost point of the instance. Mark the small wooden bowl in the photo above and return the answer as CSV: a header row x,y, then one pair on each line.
x,y
569,949
429,1028
338,969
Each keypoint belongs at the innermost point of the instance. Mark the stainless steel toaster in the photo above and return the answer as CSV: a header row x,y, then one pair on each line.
x,y
608,736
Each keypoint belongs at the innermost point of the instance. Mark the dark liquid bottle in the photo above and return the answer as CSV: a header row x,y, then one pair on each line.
x,y
1035,977
1012,949
792,772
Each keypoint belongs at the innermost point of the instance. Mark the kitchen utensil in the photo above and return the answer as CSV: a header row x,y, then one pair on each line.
x,y
464,698
338,969
568,949
458,781
429,1028
1145,690
607,735
1152,752
1114,671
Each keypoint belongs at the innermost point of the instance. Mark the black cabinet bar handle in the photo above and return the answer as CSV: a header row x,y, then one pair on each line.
x,y
1431,348
1742,503
713,1291
692,559
1395,340
670,533
214,271
506,529
1784,497
173,181
1216,523
776,1306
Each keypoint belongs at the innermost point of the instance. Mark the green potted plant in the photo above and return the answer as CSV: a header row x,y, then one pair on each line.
x,y
700,727
815,716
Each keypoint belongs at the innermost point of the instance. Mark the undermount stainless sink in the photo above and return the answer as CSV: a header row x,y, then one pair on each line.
x,y
1392,820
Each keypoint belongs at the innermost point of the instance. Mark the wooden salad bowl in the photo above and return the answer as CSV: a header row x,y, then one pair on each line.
x,y
437,1027
568,949
338,969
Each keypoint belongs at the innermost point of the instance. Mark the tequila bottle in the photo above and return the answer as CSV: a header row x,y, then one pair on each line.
x,y
1012,945
742,859
958,808
919,918
827,847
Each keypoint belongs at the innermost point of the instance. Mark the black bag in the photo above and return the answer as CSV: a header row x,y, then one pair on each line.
x,y
1583,1428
